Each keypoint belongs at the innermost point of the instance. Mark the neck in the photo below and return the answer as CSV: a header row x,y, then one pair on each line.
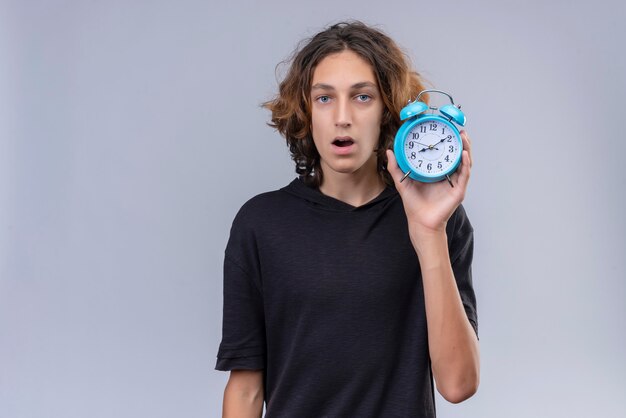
x,y
356,188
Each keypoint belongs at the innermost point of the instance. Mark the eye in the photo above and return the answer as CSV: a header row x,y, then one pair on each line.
x,y
363,97
323,99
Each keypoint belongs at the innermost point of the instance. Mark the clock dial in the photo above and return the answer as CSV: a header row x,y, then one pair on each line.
x,y
431,147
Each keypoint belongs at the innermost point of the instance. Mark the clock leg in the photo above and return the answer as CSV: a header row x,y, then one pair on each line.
x,y
449,181
405,176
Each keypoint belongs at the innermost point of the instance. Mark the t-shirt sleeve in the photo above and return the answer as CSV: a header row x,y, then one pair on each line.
x,y
461,255
243,325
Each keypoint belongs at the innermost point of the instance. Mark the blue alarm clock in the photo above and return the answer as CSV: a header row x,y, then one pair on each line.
x,y
428,146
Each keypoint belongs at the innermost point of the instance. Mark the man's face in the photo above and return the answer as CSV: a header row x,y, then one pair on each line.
x,y
346,113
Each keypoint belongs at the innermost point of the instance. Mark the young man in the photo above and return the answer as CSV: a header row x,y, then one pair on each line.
x,y
346,292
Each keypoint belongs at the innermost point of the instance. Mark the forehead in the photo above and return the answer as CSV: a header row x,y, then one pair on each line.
x,y
343,69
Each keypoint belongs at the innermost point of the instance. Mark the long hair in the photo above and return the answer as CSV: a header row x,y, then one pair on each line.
x,y
291,108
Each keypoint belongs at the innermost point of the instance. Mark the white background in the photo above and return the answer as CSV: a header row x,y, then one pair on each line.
x,y
131,133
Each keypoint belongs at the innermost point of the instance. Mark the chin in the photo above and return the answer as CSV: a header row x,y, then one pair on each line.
x,y
347,164
345,169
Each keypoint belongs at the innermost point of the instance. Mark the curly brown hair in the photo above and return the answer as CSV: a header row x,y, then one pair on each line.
x,y
291,108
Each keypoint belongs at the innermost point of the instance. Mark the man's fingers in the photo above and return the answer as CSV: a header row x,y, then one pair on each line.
x,y
392,166
464,170
467,145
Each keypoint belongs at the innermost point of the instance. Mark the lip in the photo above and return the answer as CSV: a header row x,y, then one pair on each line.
x,y
343,150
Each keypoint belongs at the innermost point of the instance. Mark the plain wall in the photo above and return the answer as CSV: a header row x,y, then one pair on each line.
x,y
131,133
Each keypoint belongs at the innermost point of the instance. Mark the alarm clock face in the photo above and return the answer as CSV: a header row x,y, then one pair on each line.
x,y
432,147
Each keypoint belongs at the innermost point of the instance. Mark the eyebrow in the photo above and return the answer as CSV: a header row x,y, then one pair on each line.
x,y
362,84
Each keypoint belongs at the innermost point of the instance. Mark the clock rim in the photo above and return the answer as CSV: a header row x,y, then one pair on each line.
x,y
400,140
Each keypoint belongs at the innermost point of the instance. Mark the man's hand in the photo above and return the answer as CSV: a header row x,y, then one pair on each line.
x,y
428,206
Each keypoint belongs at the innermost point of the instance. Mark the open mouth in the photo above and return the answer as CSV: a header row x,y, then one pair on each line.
x,y
343,142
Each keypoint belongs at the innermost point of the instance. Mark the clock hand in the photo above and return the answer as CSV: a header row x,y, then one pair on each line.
x,y
429,147
433,145
424,149
447,137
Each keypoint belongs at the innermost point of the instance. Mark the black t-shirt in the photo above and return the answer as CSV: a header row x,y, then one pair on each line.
x,y
327,298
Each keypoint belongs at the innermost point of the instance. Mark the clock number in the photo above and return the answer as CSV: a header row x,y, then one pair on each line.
x,y
451,148
447,158
449,138
411,144
420,163
423,129
413,155
443,130
439,164
429,166
433,126
415,135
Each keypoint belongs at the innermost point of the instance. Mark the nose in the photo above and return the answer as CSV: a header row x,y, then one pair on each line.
x,y
343,116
